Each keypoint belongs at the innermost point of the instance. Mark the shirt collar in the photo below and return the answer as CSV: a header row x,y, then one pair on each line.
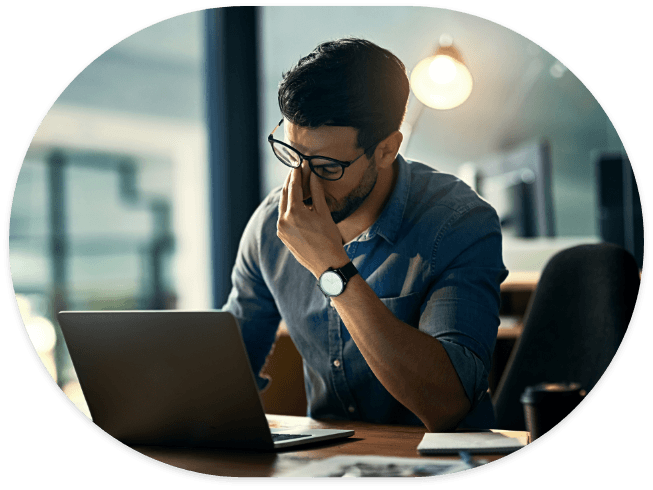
x,y
388,224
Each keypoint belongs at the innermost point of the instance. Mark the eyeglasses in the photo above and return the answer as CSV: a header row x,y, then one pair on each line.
x,y
324,167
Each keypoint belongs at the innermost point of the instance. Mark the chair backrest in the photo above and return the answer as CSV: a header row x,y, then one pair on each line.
x,y
573,326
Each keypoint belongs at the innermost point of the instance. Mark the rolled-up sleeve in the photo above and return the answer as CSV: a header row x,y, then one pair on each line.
x,y
250,300
462,306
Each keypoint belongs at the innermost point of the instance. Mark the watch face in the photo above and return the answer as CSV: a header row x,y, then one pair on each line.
x,y
331,283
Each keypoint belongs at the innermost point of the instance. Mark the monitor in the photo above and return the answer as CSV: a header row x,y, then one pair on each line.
x,y
518,184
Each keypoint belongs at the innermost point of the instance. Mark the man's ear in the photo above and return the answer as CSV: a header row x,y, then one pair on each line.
x,y
386,151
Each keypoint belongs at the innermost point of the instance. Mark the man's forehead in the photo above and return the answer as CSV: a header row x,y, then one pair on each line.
x,y
323,138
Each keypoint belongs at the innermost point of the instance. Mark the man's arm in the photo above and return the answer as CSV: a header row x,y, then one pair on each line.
x,y
411,365
250,300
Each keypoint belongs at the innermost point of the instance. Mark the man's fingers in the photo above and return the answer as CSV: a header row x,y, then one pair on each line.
x,y
295,193
317,194
283,202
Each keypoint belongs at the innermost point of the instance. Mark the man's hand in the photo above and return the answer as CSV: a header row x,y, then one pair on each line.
x,y
309,232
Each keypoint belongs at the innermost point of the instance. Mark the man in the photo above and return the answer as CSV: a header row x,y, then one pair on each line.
x,y
386,272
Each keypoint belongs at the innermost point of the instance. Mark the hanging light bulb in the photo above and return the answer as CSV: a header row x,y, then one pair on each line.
x,y
442,81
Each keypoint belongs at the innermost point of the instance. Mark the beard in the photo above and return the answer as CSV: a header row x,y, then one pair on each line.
x,y
343,209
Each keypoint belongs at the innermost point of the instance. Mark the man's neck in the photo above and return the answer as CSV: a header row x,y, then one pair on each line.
x,y
371,209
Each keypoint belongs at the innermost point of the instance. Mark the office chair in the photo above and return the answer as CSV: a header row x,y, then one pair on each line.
x,y
573,325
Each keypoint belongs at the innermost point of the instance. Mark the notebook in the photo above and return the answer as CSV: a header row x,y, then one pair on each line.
x,y
173,378
488,442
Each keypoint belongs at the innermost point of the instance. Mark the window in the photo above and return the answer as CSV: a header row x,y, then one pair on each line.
x,y
121,222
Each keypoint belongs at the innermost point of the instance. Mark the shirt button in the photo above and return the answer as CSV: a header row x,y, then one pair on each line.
x,y
351,409
336,363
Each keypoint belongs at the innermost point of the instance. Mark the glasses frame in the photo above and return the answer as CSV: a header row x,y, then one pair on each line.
x,y
309,159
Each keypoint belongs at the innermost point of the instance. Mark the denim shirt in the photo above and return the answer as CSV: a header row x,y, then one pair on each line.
x,y
433,257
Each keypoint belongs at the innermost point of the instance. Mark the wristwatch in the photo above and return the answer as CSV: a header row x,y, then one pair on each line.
x,y
333,281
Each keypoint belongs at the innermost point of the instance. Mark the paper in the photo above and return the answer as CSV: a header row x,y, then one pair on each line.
x,y
473,442
377,466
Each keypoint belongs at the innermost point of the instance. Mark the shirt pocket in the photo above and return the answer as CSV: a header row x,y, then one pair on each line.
x,y
405,308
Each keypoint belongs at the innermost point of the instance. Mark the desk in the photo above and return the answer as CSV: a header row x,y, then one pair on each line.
x,y
516,292
369,439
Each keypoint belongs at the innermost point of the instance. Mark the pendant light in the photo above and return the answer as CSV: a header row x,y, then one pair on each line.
x,y
442,81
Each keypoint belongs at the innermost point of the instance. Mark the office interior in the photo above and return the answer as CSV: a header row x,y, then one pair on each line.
x,y
139,181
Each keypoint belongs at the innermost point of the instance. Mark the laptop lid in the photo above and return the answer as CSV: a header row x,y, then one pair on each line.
x,y
167,378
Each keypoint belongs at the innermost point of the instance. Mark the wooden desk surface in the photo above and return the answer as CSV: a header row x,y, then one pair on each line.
x,y
369,439
520,281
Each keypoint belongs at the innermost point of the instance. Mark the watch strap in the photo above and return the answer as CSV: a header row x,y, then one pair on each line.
x,y
348,271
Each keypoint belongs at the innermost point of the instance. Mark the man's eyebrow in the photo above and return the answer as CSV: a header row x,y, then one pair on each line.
x,y
302,149
297,147
305,151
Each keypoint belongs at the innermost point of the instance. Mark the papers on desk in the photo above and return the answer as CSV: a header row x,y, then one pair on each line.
x,y
381,466
472,442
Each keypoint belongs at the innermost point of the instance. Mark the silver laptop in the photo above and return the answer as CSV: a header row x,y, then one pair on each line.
x,y
173,378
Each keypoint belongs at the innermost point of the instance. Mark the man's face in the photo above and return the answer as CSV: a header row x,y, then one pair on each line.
x,y
343,196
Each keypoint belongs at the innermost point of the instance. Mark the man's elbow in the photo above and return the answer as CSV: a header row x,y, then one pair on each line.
x,y
448,415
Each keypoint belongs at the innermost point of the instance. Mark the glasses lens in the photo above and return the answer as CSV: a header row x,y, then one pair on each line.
x,y
327,169
286,155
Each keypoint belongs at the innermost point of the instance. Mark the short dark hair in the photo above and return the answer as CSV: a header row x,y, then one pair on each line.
x,y
348,82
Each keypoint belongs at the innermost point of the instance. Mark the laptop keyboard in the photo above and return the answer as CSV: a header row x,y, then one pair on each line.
x,y
285,437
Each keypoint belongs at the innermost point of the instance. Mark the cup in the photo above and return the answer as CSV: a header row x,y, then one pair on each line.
x,y
546,404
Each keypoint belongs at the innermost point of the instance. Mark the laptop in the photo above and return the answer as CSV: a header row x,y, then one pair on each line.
x,y
173,378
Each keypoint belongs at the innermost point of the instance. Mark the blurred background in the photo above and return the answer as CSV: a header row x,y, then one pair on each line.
x,y
140,179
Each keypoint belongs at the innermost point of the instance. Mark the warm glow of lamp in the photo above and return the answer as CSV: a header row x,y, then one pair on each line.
x,y
442,81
